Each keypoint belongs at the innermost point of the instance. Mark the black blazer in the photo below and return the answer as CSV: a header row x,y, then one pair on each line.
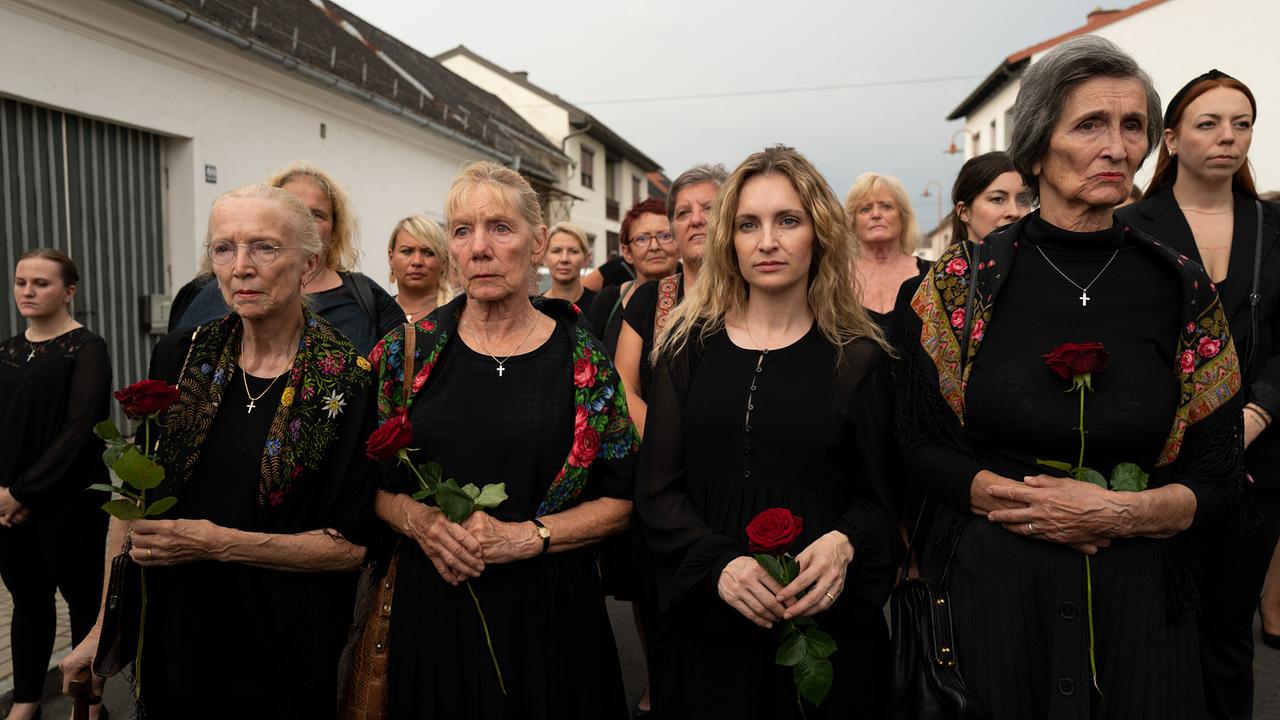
x,y
1160,217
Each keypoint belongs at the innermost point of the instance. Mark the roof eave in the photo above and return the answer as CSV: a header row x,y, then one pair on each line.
x,y
988,87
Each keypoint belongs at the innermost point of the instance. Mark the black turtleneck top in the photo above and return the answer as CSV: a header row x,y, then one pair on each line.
x,y
1016,407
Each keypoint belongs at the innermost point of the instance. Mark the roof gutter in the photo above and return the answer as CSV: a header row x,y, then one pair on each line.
x,y
183,17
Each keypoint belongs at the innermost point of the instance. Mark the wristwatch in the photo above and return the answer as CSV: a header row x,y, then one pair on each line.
x,y
543,533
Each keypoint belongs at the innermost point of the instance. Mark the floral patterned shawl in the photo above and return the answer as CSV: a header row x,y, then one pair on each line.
x,y
327,373
602,425
1208,370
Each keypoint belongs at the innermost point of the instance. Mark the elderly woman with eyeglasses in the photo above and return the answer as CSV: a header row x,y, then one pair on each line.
x,y
250,572
1071,400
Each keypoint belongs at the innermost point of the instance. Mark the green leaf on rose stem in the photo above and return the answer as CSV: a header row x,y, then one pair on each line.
x,y
422,494
471,490
820,644
137,469
161,506
1055,464
122,510
107,430
113,452
455,504
813,678
1089,475
492,495
771,566
792,650
431,472
1127,477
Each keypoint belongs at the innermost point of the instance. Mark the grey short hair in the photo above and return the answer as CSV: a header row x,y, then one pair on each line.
x,y
1048,83
696,175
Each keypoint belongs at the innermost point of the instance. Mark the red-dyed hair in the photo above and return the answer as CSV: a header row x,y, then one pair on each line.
x,y
653,205
1167,167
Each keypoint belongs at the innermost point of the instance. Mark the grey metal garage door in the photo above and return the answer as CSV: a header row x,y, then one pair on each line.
x,y
93,190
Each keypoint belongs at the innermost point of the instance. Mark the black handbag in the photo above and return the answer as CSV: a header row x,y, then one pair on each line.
x,y
926,682
121,617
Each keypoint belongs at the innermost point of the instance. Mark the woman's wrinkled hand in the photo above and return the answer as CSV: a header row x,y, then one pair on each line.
x,y
823,566
1062,510
174,542
503,542
77,666
750,590
981,498
455,552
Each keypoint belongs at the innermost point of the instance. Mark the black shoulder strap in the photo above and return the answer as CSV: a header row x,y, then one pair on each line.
x,y
1255,291
358,285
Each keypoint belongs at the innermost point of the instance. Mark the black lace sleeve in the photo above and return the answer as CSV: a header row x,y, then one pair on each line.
x,y
872,459
690,556
929,433
1211,464
88,403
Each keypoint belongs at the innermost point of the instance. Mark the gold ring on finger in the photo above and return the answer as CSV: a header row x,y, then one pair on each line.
x,y
830,597
150,553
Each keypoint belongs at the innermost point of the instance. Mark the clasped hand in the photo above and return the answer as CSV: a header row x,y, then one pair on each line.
x,y
12,512
750,590
460,551
1062,510
173,542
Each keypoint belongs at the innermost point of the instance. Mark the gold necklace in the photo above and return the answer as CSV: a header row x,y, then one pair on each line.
x,y
244,376
426,307
1207,212
503,361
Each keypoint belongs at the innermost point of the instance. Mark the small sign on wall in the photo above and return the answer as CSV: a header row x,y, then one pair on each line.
x,y
211,174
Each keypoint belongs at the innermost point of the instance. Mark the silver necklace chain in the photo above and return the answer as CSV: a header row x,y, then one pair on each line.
x,y
1084,289
501,361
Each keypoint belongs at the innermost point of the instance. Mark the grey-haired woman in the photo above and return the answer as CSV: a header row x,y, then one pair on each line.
x,y
1072,600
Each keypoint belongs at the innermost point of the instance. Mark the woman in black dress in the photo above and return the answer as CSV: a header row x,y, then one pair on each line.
x,y
653,256
689,210
248,576
568,251
886,234
771,389
1202,203
512,392
55,385
973,429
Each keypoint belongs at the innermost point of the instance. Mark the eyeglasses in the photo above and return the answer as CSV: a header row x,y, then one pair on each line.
x,y
261,252
663,238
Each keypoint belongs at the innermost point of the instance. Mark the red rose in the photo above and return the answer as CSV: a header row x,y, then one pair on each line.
x,y
958,266
585,446
1209,347
146,397
1191,327
1187,361
957,318
1072,359
394,435
579,419
772,531
584,373
979,328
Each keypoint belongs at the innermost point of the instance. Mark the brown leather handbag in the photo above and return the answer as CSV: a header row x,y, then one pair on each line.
x,y
366,689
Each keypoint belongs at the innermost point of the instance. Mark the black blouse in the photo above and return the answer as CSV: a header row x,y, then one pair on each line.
x,y
52,393
736,431
640,314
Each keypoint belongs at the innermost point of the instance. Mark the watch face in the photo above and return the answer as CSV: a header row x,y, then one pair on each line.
x,y
544,533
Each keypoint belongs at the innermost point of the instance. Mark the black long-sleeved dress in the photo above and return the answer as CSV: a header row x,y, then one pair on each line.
x,y
1019,605
732,432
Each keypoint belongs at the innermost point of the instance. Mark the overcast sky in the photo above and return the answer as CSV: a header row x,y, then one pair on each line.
x,y
622,60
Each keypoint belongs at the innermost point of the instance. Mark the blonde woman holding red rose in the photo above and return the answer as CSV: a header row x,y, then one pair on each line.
x,y
55,385
771,390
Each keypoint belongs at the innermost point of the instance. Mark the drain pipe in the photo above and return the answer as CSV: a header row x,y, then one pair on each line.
x,y
183,17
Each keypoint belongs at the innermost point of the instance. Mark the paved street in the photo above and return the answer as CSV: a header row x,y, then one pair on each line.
x,y
1266,671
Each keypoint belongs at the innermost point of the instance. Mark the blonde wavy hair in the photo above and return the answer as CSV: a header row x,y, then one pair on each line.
x,y
868,183
426,231
343,253
721,290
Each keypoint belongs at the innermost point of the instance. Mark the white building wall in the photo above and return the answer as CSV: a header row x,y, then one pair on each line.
x,y
588,213
548,118
1180,39
223,107
979,123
